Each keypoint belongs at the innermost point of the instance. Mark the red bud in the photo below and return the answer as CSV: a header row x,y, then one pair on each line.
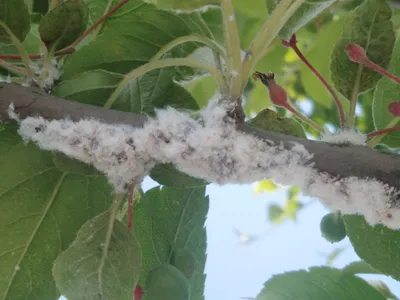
x,y
356,53
138,293
394,108
277,94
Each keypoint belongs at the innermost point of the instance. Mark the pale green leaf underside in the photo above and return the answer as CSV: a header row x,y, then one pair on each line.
x,y
316,284
83,272
167,219
41,208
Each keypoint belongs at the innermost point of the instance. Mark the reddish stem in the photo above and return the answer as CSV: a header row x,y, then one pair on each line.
x,y
130,206
37,56
381,70
382,131
292,44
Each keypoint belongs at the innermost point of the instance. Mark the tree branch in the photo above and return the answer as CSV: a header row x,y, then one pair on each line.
x,y
337,160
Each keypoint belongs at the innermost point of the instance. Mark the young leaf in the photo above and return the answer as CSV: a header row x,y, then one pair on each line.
x,y
359,267
385,93
167,282
269,120
185,5
377,245
15,14
133,38
306,12
87,271
370,27
318,283
169,220
42,206
167,174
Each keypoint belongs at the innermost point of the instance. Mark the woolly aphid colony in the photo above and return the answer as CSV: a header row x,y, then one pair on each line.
x,y
209,147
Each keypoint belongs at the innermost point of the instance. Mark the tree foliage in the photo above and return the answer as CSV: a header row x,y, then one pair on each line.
x,y
64,231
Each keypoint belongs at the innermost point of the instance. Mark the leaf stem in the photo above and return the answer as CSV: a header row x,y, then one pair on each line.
x,y
189,38
292,44
152,65
305,119
24,55
380,134
354,98
232,41
130,205
110,228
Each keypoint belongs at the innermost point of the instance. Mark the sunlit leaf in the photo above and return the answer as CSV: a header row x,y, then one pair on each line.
x,y
266,185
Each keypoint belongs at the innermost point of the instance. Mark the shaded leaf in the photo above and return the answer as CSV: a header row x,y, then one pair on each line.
x,y
167,282
201,89
131,37
168,220
31,43
41,209
306,12
94,268
385,93
185,5
15,14
318,283
167,174
155,89
268,120
379,246
184,261
370,27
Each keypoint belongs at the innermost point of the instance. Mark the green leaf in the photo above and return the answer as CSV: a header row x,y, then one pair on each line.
x,y
333,255
383,289
167,282
370,27
318,283
268,120
31,43
379,246
184,261
185,5
42,206
386,92
306,12
134,35
359,267
322,46
15,14
168,220
155,89
167,174
63,25
95,268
